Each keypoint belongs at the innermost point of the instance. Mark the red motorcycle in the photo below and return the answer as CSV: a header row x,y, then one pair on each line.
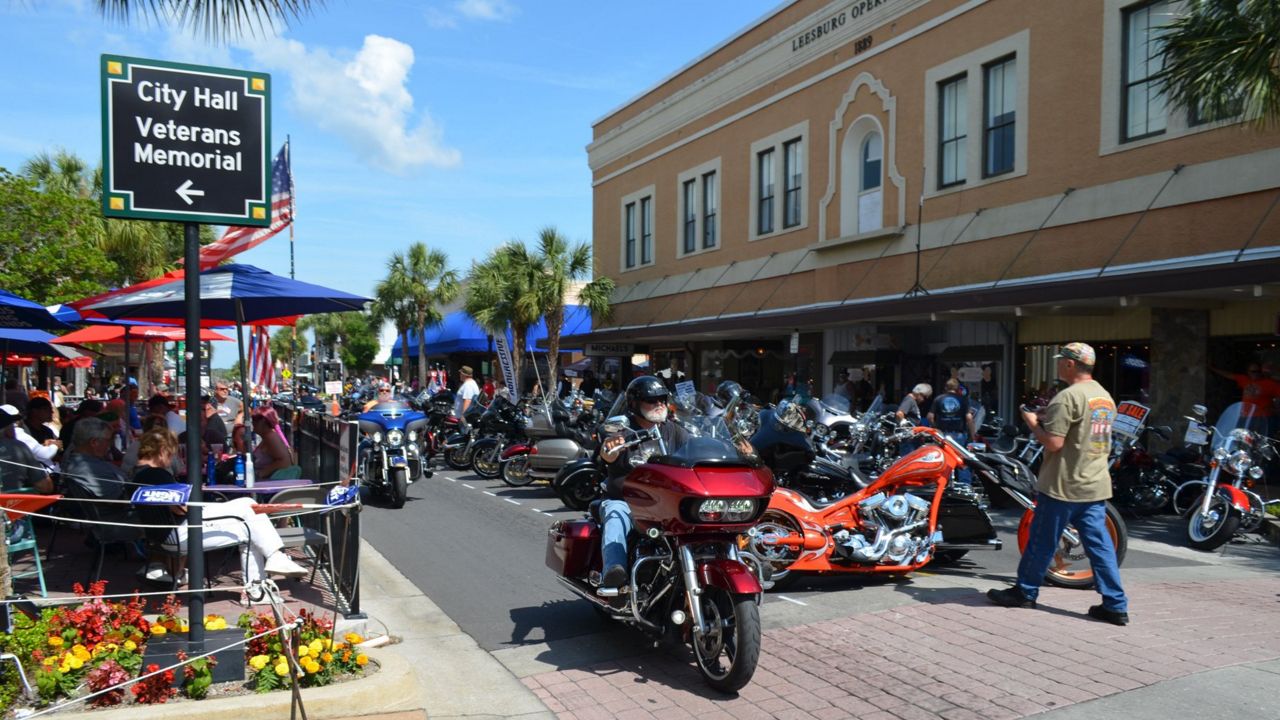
x,y
688,580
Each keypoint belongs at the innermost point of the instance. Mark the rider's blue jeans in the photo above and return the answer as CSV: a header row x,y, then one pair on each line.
x,y
1090,520
616,516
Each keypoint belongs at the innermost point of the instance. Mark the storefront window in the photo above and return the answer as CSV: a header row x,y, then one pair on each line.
x,y
1124,369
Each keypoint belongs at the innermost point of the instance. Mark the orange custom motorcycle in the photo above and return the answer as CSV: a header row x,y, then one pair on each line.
x,y
907,517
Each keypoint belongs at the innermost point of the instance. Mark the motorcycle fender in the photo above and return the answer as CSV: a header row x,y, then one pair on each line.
x,y
729,575
457,440
1235,496
517,449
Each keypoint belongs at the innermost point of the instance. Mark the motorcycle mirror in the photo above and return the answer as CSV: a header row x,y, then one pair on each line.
x,y
615,425
1200,410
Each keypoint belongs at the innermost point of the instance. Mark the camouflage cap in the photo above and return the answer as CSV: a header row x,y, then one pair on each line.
x,y
1078,351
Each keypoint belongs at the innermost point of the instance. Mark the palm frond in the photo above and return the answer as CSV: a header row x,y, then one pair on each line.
x,y
217,19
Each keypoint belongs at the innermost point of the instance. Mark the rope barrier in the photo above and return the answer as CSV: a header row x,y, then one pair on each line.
x,y
72,599
118,481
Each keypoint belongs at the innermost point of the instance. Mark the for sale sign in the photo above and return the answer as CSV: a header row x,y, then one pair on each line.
x,y
185,142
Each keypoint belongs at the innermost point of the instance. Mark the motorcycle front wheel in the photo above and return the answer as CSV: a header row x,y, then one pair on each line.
x,y
578,491
728,651
458,458
515,470
1070,567
1212,532
486,463
398,488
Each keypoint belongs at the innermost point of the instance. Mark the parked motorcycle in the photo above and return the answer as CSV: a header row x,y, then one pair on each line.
x,y
558,433
500,426
1226,504
909,515
689,581
1139,484
458,447
391,456
796,449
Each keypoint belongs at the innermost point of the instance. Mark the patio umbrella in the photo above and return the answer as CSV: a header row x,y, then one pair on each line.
x,y
111,334
16,312
27,342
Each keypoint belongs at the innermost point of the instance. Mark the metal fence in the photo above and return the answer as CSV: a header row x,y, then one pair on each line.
x,y
326,448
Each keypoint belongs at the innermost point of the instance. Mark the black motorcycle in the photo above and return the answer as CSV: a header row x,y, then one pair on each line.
x,y
500,425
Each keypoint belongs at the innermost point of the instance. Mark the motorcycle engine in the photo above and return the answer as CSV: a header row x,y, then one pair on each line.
x,y
901,522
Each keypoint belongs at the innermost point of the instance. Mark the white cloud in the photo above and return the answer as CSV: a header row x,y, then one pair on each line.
x,y
486,9
364,99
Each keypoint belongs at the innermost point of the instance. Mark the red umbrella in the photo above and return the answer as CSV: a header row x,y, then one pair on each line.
x,y
141,333
84,361
19,360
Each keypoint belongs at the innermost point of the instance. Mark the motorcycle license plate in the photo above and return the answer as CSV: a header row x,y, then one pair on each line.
x,y
397,461
1197,434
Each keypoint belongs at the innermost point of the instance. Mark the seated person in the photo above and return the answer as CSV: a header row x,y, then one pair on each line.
x,y
272,452
18,467
225,524
45,452
162,406
39,418
130,461
213,431
86,409
383,396
87,463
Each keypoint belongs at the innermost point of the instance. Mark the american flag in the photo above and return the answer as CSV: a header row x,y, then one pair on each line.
x,y
262,372
238,239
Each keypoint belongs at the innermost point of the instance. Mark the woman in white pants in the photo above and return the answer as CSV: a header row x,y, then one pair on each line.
x,y
225,524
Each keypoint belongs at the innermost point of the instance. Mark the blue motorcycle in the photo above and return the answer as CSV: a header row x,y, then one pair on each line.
x,y
391,457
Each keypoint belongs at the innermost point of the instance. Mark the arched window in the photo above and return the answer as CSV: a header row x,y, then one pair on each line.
x,y
870,194
872,154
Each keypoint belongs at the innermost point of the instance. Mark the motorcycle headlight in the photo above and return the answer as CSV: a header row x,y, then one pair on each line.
x,y
413,435
726,510
1220,454
395,438
377,437
1255,472
1239,462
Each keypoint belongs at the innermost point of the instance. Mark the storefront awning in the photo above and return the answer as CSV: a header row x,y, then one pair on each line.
x,y
972,353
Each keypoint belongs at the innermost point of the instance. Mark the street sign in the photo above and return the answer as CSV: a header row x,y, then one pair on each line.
x,y
185,142
286,373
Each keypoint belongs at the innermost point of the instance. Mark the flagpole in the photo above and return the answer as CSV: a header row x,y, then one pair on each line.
x,y
293,339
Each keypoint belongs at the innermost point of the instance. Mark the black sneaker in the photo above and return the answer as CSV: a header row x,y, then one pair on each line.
x,y
1115,617
614,577
1010,597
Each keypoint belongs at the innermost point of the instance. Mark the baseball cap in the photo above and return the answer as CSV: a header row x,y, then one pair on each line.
x,y
8,416
1079,352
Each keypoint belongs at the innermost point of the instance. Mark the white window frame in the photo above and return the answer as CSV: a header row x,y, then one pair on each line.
x,y
636,197
697,174
973,65
775,142
1177,119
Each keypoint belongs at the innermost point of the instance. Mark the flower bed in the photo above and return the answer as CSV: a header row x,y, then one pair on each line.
x,y
72,651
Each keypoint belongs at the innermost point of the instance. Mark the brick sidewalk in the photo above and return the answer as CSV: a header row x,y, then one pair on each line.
x,y
952,656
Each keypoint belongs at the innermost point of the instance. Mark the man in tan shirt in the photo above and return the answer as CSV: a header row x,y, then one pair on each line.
x,y
1073,487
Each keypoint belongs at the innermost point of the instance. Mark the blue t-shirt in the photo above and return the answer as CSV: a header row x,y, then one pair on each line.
x,y
949,412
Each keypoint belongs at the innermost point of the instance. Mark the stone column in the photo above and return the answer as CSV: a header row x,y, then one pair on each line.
x,y
1179,364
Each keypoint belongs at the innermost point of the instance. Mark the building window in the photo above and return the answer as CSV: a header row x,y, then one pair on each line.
x,y
870,195
1000,113
764,203
793,179
631,235
690,229
646,230
1143,111
710,206
952,131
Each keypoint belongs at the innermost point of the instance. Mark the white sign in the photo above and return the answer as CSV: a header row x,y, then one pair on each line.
x,y
685,387
795,343
333,387
969,374
1130,417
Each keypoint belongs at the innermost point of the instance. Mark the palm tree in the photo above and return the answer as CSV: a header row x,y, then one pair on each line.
x,y
502,293
393,303
61,172
1220,58
218,19
424,276
557,266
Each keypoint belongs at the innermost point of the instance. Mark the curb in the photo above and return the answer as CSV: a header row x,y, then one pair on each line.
x,y
352,698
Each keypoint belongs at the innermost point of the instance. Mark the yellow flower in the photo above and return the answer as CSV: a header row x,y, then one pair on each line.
x,y
48,662
112,647
282,669
185,628
328,644
353,638
327,657
316,646
130,645
257,662
55,641
362,659
338,645
64,668
303,651
81,652
75,662
158,630
311,667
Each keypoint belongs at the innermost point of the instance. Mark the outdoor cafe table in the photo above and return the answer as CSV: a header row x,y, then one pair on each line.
x,y
260,488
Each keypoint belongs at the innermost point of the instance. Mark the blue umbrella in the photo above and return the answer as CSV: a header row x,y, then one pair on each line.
x,y
16,312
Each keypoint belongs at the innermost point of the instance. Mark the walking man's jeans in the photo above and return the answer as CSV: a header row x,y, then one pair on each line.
x,y
963,475
616,515
1090,520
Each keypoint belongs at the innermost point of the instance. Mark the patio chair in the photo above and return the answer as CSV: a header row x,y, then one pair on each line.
x,y
103,535
307,531
21,536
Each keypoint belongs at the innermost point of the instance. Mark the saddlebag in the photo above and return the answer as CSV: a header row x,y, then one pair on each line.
x,y
573,547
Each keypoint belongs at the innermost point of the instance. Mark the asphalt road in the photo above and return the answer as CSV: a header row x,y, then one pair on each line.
x,y
476,548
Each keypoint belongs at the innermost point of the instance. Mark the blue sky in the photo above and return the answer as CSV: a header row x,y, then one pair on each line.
x,y
458,123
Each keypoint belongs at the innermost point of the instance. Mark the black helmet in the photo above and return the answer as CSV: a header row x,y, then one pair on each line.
x,y
726,391
646,388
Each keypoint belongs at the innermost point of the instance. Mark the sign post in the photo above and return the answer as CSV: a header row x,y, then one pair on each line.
x,y
186,143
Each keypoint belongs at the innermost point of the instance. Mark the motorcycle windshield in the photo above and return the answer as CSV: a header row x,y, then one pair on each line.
x,y
874,411
390,409
1236,426
705,440
837,404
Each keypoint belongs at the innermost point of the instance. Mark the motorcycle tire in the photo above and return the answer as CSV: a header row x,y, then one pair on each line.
x,y
778,558
458,458
577,492
515,470
1065,570
727,654
398,488
486,463
1216,532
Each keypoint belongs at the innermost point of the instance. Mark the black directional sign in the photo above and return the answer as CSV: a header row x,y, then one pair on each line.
x,y
185,142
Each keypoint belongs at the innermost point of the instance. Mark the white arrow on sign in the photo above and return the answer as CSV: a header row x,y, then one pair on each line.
x,y
185,192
